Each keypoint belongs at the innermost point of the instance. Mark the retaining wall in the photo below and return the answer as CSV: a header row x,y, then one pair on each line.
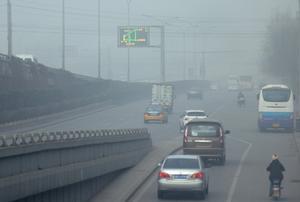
x,y
35,163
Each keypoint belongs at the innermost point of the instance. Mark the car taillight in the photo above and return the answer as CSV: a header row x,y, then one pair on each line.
x,y
198,175
163,175
185,138
221,136
221,140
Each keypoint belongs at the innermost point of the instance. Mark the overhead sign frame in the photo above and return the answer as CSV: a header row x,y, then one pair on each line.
x,y
133,36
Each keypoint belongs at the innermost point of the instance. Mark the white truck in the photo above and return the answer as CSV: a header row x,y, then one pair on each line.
x,y
164,95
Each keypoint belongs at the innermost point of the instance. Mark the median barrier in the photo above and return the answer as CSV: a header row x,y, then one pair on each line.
x,y
38,163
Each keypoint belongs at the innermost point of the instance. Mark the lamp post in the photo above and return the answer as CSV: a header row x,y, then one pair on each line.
x,y
99,39
9,29
128,50
63,35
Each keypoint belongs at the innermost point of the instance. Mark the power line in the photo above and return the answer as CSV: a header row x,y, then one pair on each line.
x,y
181,20
214,51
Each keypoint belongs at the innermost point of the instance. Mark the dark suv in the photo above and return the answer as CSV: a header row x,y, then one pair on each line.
x,y
205,137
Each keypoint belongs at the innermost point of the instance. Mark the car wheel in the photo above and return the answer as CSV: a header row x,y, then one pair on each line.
x,y
222,160
201,195
207,189
160,194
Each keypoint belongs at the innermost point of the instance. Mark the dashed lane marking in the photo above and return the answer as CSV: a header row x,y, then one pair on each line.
x,y
240,167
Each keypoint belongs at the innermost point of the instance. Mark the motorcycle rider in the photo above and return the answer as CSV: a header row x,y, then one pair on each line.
x,y
275,168
241,98
241,95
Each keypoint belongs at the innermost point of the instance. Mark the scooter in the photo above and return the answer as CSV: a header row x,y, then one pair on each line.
x,y
276,190
241,101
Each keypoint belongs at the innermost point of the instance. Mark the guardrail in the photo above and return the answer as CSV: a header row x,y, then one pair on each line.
x,y
34,163
3,57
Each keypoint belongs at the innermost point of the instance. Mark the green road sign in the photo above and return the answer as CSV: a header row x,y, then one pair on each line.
x,y
134,36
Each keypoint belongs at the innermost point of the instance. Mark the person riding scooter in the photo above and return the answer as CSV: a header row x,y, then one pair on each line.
x,y
241,99
275,168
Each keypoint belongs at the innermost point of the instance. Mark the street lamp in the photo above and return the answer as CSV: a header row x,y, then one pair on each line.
x,y
128,50
99,39
9,28
63,35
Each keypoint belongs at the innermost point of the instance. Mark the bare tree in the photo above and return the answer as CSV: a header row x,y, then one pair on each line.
x,y
281,50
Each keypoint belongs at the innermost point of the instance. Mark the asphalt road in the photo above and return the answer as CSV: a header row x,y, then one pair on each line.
x,y
242,179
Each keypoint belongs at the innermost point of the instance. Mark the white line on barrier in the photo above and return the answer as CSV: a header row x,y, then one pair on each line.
x,y
238,171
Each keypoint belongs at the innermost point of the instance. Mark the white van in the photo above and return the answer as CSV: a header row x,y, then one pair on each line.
x,y
276,107
27,58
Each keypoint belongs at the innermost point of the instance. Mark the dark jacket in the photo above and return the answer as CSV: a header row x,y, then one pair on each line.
x,y
275,168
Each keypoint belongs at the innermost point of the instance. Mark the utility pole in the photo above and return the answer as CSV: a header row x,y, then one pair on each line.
x,y
202,68
184,56
297,106
128,50
110,73
63,35
9,29
99,39
162,57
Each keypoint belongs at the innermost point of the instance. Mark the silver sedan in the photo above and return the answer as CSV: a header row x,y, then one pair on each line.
x,y
183,173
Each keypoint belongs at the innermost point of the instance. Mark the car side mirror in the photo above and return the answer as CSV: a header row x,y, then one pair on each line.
x,y
227,131
159,165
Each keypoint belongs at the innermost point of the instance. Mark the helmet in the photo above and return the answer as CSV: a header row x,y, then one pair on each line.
x,y
274,156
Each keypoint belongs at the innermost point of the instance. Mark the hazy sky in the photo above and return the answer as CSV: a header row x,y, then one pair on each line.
x,y
232,32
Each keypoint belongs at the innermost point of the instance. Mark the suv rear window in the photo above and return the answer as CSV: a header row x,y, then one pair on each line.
x,y
203,130
154,108
181,164
196,114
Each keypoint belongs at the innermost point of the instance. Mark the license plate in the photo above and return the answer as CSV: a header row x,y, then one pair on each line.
x,y
179,177
275,125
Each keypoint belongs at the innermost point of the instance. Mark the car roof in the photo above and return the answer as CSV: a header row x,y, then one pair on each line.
x,y
181,156
206,120
194,110
154,105
275,86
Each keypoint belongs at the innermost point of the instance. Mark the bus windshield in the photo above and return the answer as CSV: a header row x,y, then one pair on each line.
x,y
276,95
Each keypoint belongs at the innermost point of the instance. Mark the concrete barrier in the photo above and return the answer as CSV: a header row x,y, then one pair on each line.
x,y
35,163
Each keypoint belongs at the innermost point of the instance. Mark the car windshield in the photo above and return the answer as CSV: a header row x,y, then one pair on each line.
x,y
195,114
154,108
276,95
181,163
204,130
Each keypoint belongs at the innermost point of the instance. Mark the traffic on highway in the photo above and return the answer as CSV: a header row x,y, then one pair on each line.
x,y
149,101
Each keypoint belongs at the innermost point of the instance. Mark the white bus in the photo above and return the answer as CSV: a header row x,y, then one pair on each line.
x,y
276,107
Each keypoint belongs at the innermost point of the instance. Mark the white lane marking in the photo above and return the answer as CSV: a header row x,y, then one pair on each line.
x,y
238,172
146,187
153,179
